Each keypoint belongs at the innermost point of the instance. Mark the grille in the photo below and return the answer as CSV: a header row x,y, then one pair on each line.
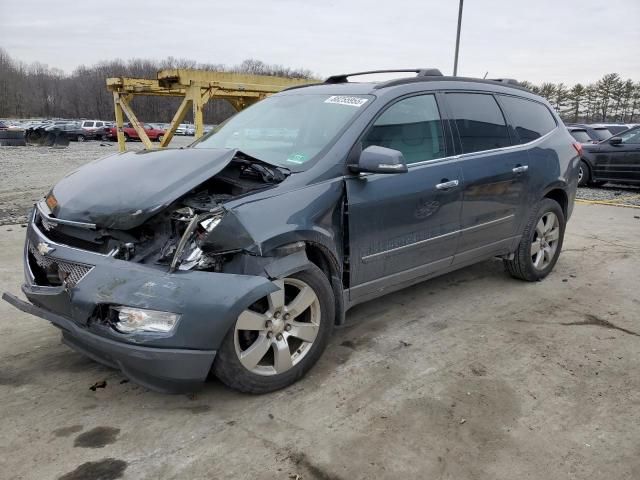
x,y
71,272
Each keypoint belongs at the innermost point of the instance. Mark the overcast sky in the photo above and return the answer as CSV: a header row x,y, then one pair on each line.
x,y
538,40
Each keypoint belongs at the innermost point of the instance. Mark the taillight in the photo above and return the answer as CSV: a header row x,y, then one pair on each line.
x,y
578,148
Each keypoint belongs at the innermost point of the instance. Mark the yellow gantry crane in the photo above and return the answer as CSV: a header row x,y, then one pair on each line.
x,y
196,87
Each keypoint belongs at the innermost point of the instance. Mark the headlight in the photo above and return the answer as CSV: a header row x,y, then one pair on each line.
x,y
131,320
188,253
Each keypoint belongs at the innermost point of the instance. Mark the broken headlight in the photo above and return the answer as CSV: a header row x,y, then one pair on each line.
x,y
188,253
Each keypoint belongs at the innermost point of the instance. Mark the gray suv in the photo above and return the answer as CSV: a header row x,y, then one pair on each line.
x,y
238,255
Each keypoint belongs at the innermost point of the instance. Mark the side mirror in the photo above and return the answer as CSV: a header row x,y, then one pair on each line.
x,y
376,159
615,141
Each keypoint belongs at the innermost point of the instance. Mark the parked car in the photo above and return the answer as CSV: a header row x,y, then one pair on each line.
x,y
239,253
597,134
74,131
185,129
616,159
130,133
4,125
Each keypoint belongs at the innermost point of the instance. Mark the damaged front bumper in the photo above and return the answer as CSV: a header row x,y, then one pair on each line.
x,y
180,360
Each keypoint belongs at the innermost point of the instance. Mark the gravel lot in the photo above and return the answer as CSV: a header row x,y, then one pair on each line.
x,y
611,193
27,173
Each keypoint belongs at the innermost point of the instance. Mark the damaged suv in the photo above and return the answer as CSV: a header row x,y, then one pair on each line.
x,y
237,255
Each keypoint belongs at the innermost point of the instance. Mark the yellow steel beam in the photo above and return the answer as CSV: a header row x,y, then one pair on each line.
x,y
175,121
135,123
119,122
195,93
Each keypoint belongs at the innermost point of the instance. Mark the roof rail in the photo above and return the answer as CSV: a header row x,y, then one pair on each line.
x,y
420,72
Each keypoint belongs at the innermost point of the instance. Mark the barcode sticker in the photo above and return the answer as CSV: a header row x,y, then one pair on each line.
x,y
344,100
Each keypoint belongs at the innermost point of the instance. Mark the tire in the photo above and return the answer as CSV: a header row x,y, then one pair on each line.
x,y
12,142
534,240
80,138
126,138
11,134
584,174
258,373
159,138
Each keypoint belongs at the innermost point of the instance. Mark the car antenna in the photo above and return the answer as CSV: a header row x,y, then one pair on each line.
x,y
485,74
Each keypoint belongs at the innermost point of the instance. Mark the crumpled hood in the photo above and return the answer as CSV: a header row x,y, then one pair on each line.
x,y
122,191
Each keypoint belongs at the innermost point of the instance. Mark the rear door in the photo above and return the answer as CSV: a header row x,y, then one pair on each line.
x,y
495,176
404,226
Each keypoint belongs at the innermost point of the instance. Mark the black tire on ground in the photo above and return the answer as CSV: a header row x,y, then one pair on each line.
x,y
584,174
231,372
81,138
522,266
13,142
11,134
126,138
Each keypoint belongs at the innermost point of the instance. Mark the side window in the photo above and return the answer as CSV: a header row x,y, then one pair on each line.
x,y
98,124
88,124
530,119
411,126
480,122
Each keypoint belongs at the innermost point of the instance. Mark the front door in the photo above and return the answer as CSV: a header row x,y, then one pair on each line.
x,y
622,160
404,226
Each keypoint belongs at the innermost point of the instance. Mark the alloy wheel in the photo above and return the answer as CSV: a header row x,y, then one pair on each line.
x,y
545,240
274,335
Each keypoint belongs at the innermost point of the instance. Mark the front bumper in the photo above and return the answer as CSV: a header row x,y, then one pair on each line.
x,y
162,369
208,304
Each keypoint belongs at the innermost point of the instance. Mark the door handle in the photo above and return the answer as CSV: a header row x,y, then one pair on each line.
x,y
447,184
520,169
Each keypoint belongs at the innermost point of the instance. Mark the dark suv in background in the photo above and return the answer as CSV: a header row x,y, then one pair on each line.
x,y
614,160
239,254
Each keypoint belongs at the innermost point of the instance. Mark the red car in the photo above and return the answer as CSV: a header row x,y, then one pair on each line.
x,y
130,133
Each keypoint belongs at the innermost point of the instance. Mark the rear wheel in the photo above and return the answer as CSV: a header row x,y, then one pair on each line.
x,y
80,138
275,341
584,174
126,138
541,243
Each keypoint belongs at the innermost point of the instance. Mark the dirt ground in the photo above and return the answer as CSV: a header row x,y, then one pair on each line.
x,y
469,376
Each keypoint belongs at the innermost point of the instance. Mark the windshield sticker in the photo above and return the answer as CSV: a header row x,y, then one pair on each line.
x,y
344,100
297,158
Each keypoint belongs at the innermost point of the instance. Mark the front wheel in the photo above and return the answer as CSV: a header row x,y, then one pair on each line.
x,y
275,341
540,244
80,138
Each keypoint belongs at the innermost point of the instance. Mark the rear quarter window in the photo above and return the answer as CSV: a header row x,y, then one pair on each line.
x,y
530,119
581,136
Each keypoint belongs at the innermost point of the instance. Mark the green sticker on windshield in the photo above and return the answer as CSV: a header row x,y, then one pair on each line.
x,y
297,158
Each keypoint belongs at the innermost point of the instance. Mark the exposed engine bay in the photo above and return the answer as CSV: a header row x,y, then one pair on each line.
x,y
180,235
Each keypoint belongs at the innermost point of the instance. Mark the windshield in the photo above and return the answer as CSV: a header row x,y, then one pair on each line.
x,y
287,130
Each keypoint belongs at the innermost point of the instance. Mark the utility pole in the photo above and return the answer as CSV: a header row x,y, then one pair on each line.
x,y
455,61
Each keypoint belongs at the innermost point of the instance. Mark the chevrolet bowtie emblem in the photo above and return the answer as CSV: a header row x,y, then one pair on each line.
x,y
44,248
